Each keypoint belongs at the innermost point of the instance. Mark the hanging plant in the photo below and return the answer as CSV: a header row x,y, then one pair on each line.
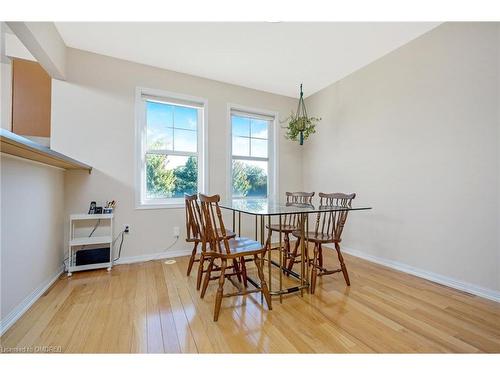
x,y
299,129
300,126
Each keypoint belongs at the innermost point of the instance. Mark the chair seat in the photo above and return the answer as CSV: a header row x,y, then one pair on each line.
x,y
240,246
315,237
229,234
284,228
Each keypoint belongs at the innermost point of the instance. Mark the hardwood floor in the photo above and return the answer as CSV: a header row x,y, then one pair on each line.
x,y
154,307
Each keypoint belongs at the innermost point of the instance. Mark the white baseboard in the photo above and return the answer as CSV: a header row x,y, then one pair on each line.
x,y
20,309
431,276
148,257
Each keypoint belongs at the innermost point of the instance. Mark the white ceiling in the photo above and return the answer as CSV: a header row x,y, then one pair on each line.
x,y
273,57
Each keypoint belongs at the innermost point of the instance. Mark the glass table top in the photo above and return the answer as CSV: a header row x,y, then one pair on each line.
x,y
271,207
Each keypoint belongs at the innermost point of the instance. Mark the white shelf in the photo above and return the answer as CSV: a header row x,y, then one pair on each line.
x,y
79,241
90,217
75,242
89,267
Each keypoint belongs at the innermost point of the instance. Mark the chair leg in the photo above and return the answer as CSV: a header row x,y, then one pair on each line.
x,y
244,272
263,284
237,270
320,256
293,255
191,259
200,271
286,240
314,271
207,277
342,264
287,250
220,290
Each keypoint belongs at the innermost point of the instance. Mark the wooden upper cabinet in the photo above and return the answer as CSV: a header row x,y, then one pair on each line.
x,y
31,99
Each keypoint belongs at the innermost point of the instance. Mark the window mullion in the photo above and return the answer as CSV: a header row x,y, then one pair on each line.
x,y
250,158
171,152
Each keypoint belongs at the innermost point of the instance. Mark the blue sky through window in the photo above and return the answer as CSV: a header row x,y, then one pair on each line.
x,y
249,136
172,128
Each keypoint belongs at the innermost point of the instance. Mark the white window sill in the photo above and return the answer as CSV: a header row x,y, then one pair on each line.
x,y
153,206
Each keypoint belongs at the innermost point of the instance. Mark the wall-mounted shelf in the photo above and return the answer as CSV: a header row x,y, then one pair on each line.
x,y
17,145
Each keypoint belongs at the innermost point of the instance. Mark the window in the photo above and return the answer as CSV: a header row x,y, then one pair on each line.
x,y
171,148
252,151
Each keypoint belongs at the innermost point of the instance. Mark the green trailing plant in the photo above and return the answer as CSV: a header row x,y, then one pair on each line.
x,y
300,125
300,128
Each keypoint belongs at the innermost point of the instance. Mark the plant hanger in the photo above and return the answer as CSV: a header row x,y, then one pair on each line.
x,y
300,126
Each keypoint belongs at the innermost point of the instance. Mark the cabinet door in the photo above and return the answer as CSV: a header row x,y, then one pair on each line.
x,y
31,98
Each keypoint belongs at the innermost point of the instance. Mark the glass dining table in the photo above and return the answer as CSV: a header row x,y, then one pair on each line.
x,y
268,212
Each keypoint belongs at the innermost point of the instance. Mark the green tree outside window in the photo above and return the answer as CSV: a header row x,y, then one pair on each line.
x,y
249,180
159,180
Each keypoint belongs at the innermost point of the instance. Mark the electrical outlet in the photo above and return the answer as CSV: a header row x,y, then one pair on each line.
x,y
127,228
176,232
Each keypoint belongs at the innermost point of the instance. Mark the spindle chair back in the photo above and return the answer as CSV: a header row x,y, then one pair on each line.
x,y
194,230
331,224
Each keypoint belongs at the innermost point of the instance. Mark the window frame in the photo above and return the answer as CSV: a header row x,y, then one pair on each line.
x,y
272,149
141,96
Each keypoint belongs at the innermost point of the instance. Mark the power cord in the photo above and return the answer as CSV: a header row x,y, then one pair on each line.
x,y
168,248
95,227
121,244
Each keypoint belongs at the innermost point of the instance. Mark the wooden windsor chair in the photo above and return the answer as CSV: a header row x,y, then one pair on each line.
x,y
328,229
290,224
218,247
194,233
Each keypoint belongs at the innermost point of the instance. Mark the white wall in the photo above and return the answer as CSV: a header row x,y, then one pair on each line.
x,y
32,208
15,48
5,80
5,93
416,136
93,121
498,148
43,41
32,199
11,48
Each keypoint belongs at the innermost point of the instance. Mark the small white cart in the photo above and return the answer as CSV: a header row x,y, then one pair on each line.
x,y
79,242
